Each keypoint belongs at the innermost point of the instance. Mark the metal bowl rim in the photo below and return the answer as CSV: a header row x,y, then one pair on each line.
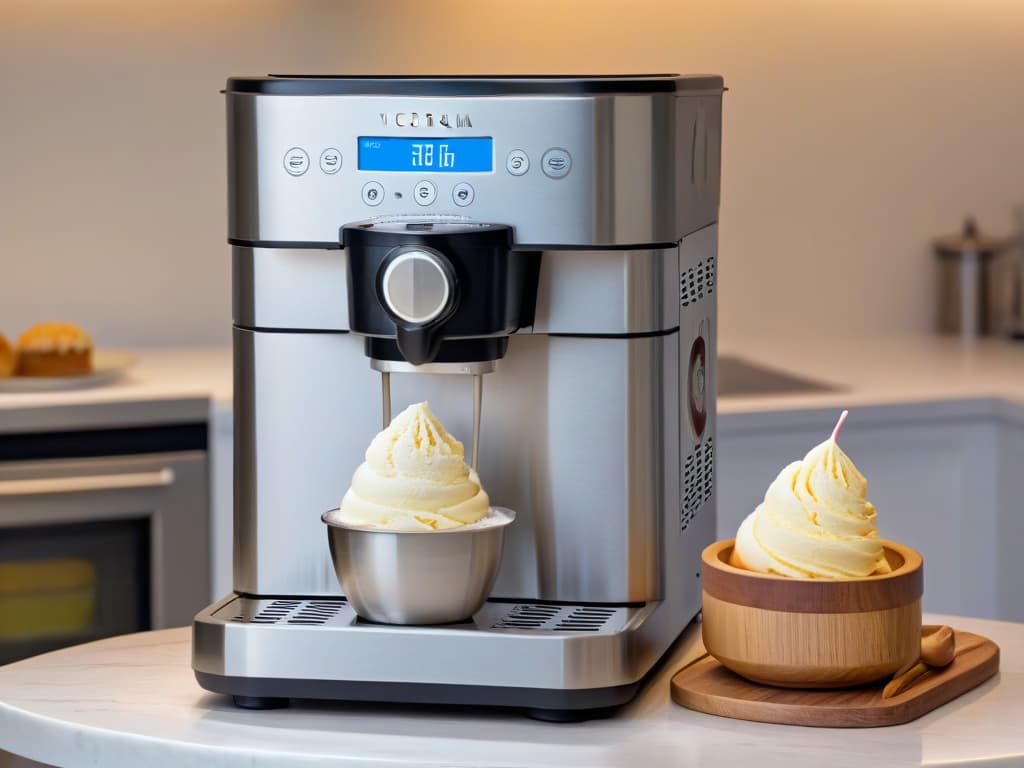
x,y
509,516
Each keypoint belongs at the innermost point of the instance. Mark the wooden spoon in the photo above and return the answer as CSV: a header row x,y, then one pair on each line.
x,y
937,650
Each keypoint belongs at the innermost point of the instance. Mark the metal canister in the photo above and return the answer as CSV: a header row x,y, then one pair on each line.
x,y
969,283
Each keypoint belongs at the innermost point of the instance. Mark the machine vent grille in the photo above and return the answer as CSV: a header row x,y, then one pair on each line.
x,y
527,616
698,481
586,619
697,282
336,614
295,612
533,616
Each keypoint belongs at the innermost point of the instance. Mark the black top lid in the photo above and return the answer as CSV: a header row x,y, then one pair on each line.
x,y
470,85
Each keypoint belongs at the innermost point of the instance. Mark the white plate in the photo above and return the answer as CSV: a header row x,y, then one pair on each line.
x,y
106,367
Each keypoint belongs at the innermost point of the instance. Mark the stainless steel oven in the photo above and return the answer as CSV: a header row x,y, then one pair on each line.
x,y
101,533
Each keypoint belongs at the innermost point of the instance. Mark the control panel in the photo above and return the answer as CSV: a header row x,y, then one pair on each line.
x,y
555,163
573,170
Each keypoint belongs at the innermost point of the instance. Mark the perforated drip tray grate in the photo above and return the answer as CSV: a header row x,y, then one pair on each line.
x,y
305,612
494,616
555,617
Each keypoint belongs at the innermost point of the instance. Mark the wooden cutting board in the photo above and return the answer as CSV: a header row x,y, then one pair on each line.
x,y
707,686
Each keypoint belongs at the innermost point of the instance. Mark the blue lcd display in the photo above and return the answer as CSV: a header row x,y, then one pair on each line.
x,y
387,153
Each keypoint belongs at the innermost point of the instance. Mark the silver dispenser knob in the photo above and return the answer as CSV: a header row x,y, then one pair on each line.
x,y
415,286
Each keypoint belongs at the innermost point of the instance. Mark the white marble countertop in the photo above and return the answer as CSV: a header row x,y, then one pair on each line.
x,y
132,701
184,384
164,386
893,370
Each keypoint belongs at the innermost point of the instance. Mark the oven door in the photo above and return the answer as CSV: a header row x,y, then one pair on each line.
x,y
103,546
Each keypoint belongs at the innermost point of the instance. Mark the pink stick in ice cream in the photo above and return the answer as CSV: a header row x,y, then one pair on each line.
x,y
839,426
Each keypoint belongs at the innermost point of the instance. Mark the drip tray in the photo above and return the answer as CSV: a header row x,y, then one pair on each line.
x,y
506,644
495,616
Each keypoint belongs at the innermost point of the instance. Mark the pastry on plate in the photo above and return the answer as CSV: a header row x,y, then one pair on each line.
x,y
8,359
54,349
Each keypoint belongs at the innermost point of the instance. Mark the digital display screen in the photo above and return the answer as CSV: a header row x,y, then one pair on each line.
x,y
388,153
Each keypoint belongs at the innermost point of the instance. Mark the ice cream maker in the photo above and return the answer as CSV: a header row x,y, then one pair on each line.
x,y
536,257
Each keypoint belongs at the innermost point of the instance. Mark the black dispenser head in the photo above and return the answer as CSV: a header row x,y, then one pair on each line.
x,y
424,291
419,290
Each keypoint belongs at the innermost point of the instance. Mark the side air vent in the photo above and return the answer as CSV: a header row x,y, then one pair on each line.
x,y
698,481
697,282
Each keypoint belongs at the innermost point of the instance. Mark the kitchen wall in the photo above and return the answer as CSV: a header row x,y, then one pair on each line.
x,y
854,131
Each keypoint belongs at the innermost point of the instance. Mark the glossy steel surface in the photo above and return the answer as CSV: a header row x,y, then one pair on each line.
x,y
587,292
578,436
231,640
417,577
644,167
627,291
600,419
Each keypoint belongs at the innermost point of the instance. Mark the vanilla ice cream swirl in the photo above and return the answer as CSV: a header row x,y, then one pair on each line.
x,y
415,477
815,521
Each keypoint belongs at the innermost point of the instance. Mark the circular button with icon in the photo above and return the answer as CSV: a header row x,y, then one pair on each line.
x,y
424,193
330,160
556,163
463,194
296,161
518,162
373,193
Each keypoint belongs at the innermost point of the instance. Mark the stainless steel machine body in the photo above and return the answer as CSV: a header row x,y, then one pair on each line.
x,y
599,421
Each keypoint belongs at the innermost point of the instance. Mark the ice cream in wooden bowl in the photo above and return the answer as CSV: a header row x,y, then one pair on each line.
x,y
808,595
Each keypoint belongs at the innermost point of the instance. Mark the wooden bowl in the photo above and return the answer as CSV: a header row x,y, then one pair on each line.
x,y
812,633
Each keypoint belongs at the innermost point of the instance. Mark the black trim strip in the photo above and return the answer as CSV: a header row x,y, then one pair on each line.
x,y
323,598
595,247
502,600
312,244
637,335
557,704
264,329
296,245
80,444
471,85
562,603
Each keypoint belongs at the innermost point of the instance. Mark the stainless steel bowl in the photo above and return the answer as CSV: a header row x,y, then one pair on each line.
x,y
417,577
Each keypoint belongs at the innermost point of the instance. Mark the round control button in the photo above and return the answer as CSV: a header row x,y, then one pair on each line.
x,y
330,160
556,163
517,163
463,194
373,193
424,192
296,161
415,287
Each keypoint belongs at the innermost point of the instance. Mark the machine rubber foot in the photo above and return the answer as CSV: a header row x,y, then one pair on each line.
x,y
260,702
570,715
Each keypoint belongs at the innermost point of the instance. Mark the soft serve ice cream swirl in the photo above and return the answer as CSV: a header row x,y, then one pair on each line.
x,y
815,521
415,477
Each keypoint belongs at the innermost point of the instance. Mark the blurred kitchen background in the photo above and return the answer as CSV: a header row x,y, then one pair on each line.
x,y
855,131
